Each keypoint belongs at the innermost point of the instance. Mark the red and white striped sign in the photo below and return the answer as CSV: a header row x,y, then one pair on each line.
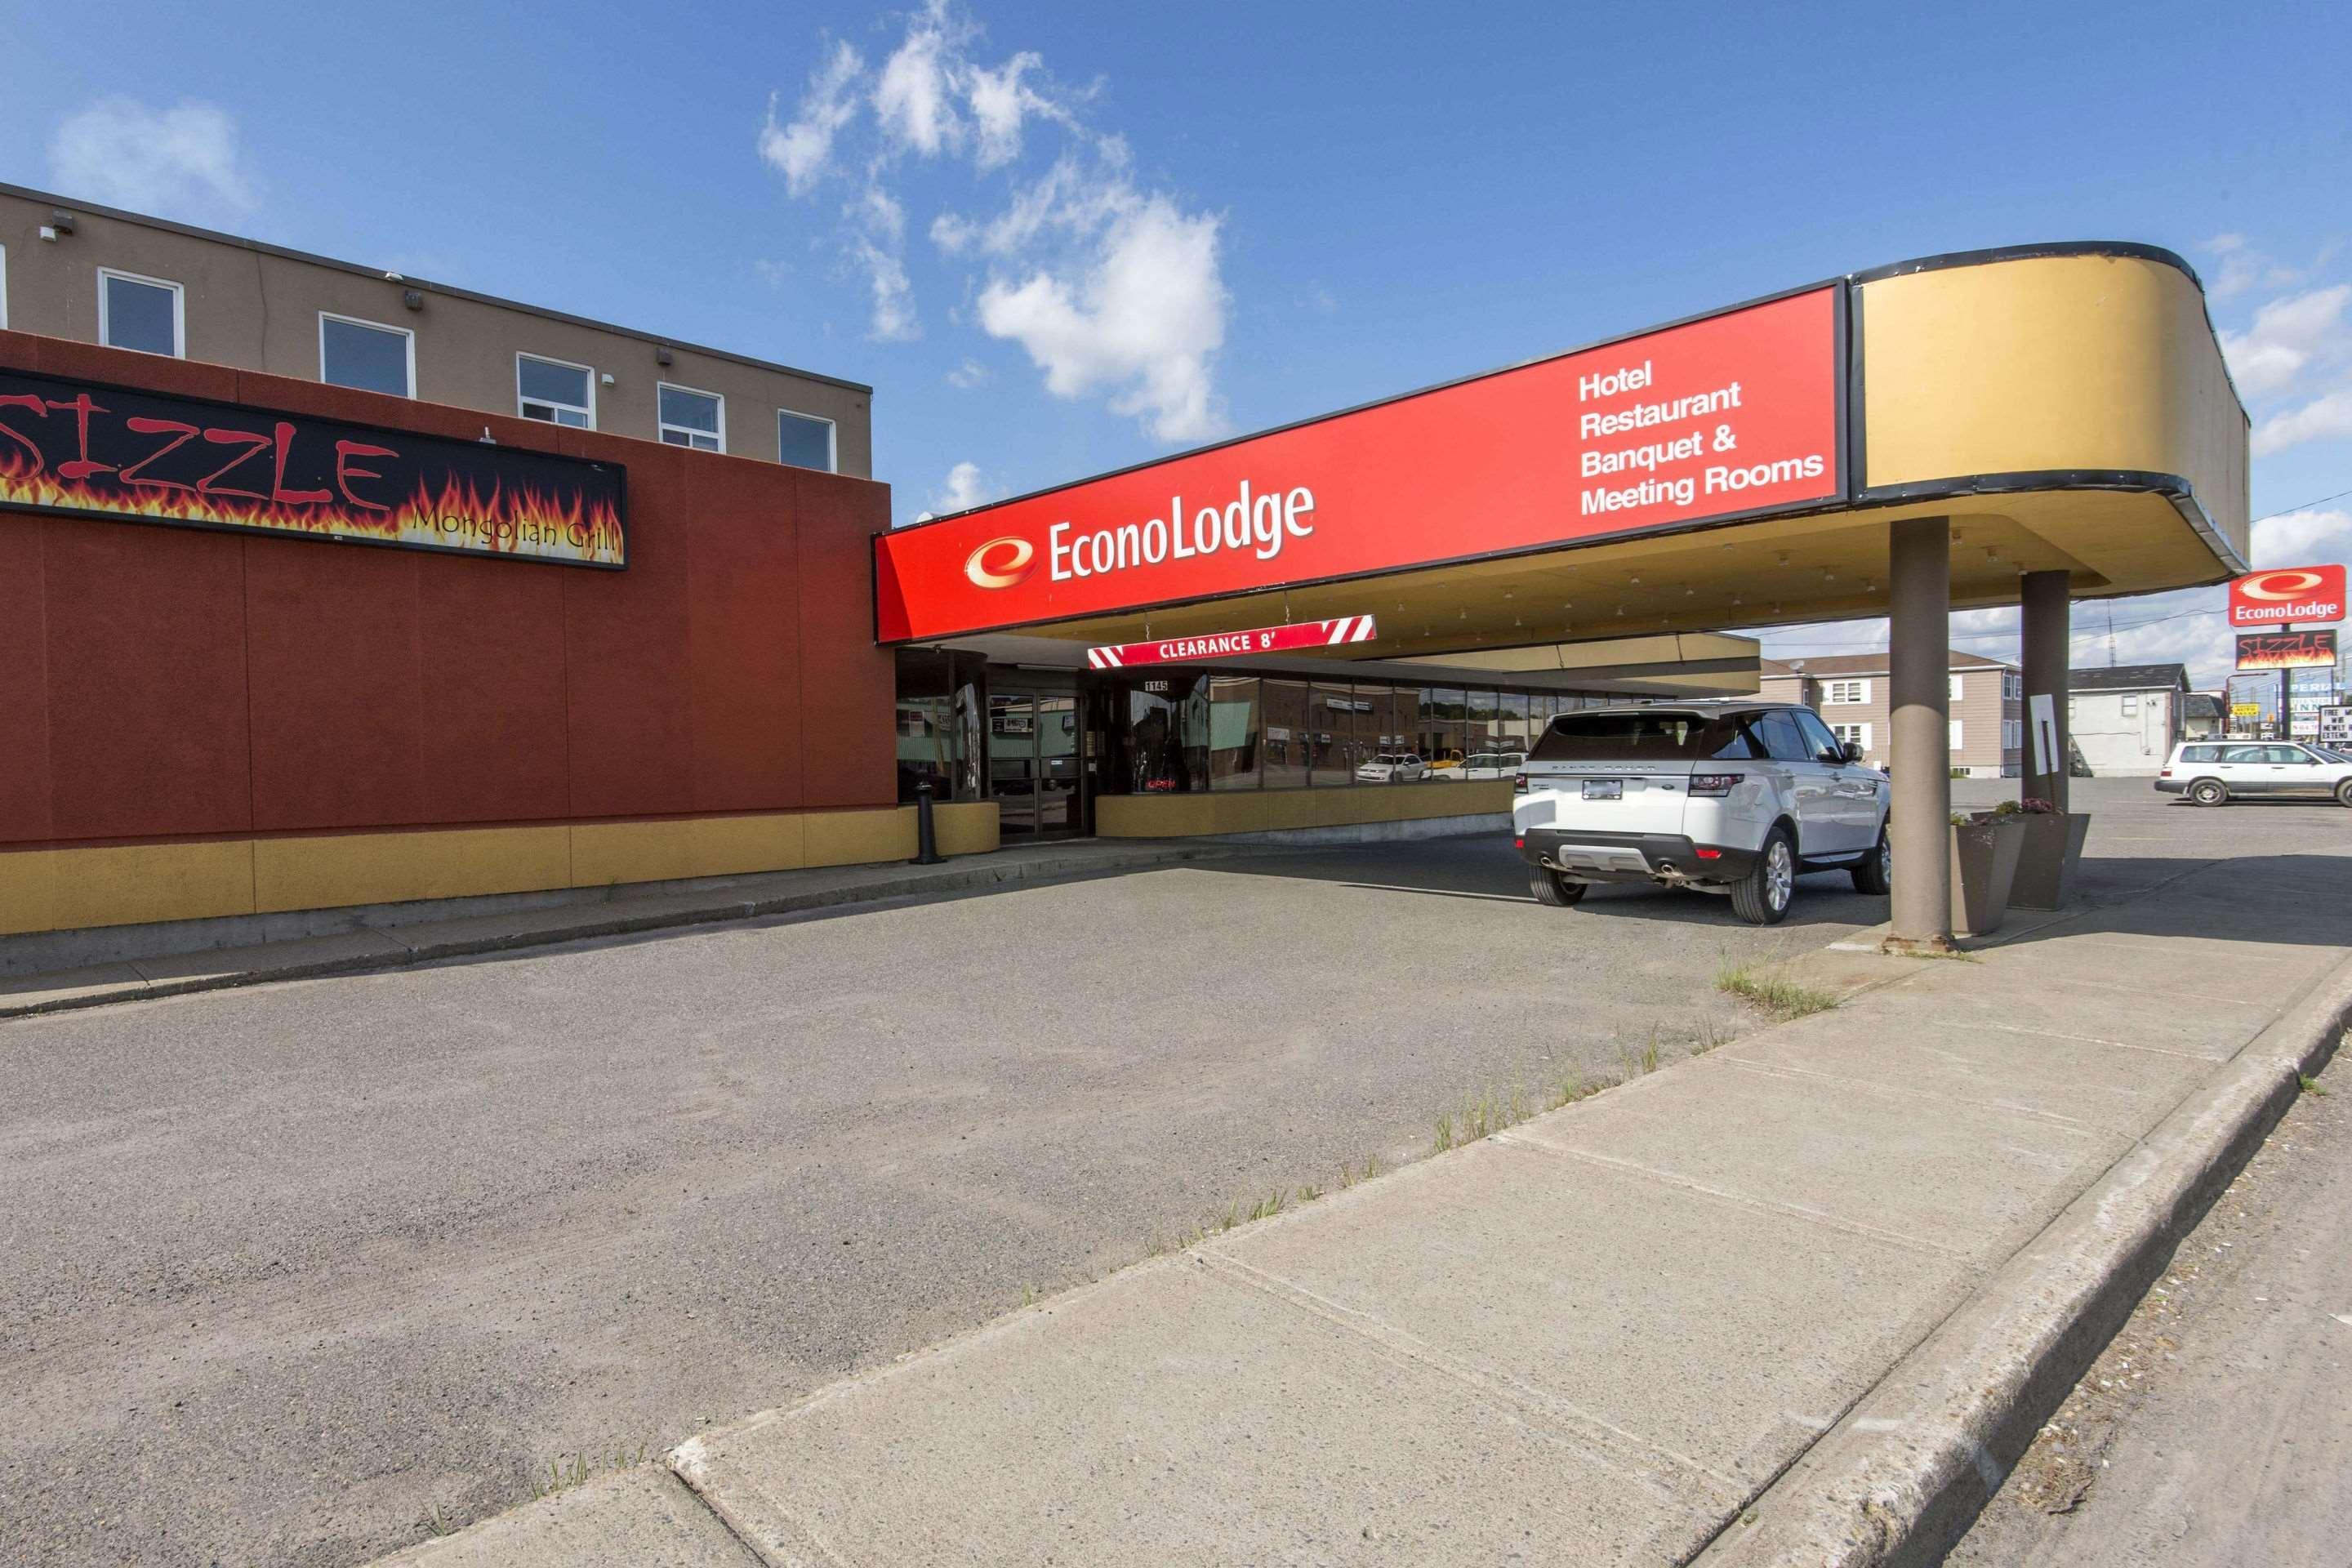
x,y
1233,645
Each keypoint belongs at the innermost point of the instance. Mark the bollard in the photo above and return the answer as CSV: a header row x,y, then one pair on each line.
x,y
926,844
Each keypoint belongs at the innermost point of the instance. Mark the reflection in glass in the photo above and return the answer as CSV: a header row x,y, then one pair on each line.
x,y
1333,753
1233,732
1284,713
1163,743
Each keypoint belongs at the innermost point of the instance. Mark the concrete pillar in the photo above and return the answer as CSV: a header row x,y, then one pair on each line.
x,y
2045,623
1919,577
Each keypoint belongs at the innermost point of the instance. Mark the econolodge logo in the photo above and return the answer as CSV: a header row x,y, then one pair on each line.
x,y
2286,595
1002,563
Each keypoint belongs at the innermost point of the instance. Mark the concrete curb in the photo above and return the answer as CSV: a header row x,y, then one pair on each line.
x,y
395,947
1905,1473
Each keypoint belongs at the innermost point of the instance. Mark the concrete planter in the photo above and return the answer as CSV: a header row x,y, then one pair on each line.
x,y
2052,848
1984,864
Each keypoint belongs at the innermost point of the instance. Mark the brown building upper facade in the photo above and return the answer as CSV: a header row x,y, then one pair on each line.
x,y
70,269
1850,692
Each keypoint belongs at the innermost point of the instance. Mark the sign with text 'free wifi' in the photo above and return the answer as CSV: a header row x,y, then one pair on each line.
x,y
1728,416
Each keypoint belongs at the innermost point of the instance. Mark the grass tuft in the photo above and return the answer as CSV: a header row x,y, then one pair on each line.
x,y
1777,994
2311,1085
567,1471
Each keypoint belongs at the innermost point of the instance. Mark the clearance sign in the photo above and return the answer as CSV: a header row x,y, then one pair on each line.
x,y
1730,415
80,449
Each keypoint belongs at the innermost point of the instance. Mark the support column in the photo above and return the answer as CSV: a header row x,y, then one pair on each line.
x,y
2045,623
1919,829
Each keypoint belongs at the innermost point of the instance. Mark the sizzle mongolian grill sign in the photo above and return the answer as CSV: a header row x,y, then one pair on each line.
x,y
79,450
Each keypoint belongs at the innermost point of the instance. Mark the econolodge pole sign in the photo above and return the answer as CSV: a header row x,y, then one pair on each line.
x,y
1730,415
2287,597
78,449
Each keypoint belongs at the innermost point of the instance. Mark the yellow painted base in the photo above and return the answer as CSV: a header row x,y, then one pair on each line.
x,y
134,884
1265,810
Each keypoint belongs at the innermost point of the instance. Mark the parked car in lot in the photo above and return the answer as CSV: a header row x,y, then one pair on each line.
x,y
2211,772
1735,797
1393,767
1491,765
1446,764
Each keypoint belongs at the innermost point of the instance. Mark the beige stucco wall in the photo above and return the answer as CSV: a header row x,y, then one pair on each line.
x,y
257,310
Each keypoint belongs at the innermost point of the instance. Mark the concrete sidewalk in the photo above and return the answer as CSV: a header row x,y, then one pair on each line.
x,y
390,946
1802,1299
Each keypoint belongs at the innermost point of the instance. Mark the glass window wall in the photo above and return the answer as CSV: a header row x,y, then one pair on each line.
x,y
1235,732
1334,713
1285,734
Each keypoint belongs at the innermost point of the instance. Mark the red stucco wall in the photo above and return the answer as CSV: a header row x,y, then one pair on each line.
x,y
168,682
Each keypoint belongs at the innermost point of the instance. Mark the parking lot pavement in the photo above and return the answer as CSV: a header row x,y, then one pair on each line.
x,y
291,1269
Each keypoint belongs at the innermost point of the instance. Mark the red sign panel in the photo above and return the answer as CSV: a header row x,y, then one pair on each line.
x,y
2287,597
1724,416
1228,644
2286,650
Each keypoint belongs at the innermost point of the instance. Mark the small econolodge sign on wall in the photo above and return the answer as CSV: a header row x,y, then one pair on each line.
x,y
77,448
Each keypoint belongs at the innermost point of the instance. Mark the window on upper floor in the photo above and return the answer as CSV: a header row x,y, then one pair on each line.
x,y
691,419
1842,692
1957,693
143,313
554,392
362,354
805,441
2130,704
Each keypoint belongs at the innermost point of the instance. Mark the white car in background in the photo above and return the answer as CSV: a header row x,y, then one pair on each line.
x,y
1393,767
2211,773
1735,797
1491,765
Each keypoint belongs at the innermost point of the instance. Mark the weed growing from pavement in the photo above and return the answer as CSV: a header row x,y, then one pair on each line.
x,y
567,1471
2311,1085
1778,995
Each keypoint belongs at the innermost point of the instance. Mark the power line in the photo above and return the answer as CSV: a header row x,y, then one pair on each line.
x,y
2305,506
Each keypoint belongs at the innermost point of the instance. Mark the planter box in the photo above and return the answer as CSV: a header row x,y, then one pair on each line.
x,y
1984,864
2052,848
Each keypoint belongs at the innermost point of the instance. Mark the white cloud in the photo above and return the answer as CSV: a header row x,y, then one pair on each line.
x,y
967,375
182,160
915,98
1142,313
2288,335
802,150
1112,288
962,491
2327,418
2305,538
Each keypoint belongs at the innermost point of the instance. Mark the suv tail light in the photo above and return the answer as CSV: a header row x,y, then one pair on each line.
x,y
1714,783
1518,784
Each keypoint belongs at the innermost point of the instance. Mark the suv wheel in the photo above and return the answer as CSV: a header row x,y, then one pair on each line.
x,y
1550,887
2209,791
1875,872
2343,793
1762,897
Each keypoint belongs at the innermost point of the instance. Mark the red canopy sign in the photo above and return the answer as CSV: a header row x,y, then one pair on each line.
x,y
1730,415
2287,597
1231,645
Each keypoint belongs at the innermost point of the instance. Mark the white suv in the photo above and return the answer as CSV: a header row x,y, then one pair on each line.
x,y
2211,771
1725,797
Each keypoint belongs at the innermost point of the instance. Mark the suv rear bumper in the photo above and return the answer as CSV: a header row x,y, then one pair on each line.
x,y
1594,857
2172,786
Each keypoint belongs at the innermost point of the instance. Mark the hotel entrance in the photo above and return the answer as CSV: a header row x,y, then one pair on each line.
x,y
1037,761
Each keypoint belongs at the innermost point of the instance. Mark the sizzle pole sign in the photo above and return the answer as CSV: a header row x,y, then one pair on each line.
x,y
2286,650
1731,416
1347,629
75,449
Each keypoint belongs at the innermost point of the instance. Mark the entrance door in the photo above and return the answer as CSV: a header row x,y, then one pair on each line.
x,y
1033,764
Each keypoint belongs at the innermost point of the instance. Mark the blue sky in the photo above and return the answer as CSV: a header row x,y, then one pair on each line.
x,y
1060,239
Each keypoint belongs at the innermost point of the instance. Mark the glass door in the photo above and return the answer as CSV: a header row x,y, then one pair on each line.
x,y
1013,756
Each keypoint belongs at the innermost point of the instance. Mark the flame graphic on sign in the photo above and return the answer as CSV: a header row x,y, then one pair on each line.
x,y
509,521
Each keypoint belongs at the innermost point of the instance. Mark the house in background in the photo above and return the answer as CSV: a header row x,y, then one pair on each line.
x,y
2123,721
2204,715
1850,692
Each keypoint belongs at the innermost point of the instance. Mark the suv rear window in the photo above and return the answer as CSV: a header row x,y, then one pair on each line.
x,y
1636,735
